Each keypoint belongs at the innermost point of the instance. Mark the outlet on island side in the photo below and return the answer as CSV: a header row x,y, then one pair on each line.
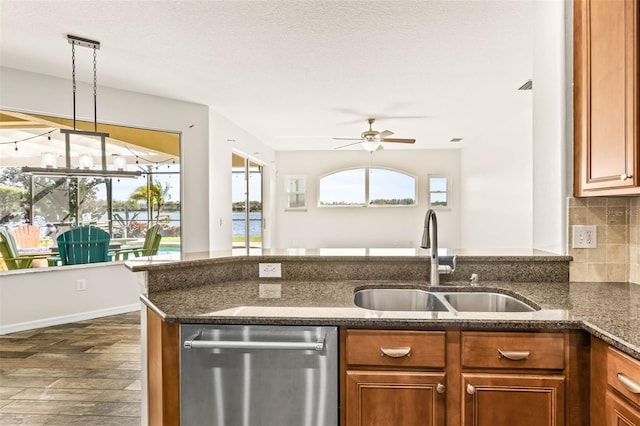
x,y
81,285
584,236
270,291
269,270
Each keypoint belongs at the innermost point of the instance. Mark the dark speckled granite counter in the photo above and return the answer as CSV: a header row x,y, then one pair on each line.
x,y
609,311
318,288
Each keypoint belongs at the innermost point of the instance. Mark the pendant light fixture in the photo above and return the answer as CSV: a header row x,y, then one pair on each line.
x,y
85,167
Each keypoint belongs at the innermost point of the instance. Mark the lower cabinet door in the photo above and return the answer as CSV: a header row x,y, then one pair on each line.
x,y
619,413
388,398
513,399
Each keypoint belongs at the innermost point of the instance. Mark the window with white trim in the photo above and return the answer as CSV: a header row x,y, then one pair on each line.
x,y
438,192
367,186
295,188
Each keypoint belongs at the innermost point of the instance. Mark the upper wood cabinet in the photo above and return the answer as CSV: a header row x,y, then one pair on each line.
x,y
606,98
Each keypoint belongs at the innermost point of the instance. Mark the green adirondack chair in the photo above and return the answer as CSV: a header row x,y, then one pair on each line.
x,y
149,247
10,254
84,244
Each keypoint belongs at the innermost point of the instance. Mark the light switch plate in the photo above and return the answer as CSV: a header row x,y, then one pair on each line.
x,y
585,236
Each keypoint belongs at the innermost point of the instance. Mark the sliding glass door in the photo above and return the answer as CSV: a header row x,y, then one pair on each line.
x,y
246,203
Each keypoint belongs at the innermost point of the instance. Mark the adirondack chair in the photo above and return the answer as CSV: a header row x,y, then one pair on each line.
x,y
26,236
84,244
149,247
9,251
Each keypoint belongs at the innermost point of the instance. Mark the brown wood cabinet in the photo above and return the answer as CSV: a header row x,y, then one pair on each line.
x,y
394,377
513,378
475,378
496,399
606,98
615,386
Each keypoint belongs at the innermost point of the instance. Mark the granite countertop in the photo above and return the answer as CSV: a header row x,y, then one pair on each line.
x,y
609,311
178,260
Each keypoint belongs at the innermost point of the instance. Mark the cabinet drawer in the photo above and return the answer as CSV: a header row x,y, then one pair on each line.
x,y
513,350
396,348
623,374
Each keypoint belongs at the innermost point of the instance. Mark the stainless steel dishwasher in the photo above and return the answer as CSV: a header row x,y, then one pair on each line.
x,y
250,375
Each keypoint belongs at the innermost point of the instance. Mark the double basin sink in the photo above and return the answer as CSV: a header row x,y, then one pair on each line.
x,y
405,299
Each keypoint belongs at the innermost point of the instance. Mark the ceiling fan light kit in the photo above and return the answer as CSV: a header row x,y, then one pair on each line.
x,y
371,140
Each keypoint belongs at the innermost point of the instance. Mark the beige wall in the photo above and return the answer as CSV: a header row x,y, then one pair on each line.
x,y
617,257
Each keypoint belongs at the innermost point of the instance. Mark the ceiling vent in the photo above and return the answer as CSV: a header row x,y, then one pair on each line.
x,y
526,86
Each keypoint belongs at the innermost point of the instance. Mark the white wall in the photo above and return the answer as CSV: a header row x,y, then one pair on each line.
x,y
365,226
40,298
550,126
37,93
496,183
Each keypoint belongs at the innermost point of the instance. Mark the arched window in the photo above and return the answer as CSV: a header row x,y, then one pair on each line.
x,y
367,186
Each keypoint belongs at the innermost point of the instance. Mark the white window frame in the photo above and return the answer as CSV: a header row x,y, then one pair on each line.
x,y
447,192
367,198
287,190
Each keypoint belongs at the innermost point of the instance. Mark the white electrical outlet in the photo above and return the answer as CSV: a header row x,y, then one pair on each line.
x,y
81,285
270,291
269,270
585,236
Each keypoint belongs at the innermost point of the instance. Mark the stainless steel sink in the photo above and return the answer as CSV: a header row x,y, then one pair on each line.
x,y
485,302
402,299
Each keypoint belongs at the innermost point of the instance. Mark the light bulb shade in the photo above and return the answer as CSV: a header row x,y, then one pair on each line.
x,y
371,146
49,160
119,162
85,161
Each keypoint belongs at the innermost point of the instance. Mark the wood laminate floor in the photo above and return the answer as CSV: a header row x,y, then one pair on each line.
x,y
83,373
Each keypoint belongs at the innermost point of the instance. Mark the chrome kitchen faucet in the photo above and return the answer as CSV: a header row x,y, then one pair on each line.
x,y
430,240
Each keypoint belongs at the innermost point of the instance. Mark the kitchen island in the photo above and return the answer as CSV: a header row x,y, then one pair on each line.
x,y
318,289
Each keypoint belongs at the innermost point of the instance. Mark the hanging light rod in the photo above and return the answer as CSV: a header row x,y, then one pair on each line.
x,y
85,42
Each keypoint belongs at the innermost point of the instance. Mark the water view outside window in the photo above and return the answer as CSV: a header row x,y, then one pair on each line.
x,y
367,186
246,203
295,188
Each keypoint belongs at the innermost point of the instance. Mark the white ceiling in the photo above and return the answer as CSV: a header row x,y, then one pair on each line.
x,y
296,73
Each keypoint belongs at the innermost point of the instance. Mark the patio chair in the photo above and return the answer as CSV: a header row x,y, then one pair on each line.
x,y
26,236
10,255
149,247
84,244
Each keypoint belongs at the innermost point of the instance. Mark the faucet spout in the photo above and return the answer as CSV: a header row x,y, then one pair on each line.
x,y
430,240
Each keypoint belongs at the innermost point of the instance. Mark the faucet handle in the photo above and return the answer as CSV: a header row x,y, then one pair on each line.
x,y
474,279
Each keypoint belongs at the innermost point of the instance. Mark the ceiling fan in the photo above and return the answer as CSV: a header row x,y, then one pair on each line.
x,y
371,140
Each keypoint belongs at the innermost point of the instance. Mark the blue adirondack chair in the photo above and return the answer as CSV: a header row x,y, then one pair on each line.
x,y
84,244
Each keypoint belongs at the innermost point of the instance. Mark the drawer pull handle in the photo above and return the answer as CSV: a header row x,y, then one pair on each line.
x,y
471,389
395,352
440,388
631,385
513,355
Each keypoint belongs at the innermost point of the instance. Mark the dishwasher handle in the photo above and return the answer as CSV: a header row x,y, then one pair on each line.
x,y
242,344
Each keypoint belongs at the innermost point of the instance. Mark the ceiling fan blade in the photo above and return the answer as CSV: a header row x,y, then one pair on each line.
x,y
396,140
350,144
348,139
383,134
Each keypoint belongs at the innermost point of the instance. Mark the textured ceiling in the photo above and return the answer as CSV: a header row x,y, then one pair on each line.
x,y
296,73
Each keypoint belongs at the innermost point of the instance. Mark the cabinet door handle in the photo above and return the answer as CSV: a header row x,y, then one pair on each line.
x,y
396,352
625,176
440,388
513,355
631,385
471,389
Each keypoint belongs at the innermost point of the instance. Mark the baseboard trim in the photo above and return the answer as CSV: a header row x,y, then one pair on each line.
x,y
47,322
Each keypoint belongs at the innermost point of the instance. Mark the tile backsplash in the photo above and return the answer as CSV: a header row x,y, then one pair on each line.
x,y
617,257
